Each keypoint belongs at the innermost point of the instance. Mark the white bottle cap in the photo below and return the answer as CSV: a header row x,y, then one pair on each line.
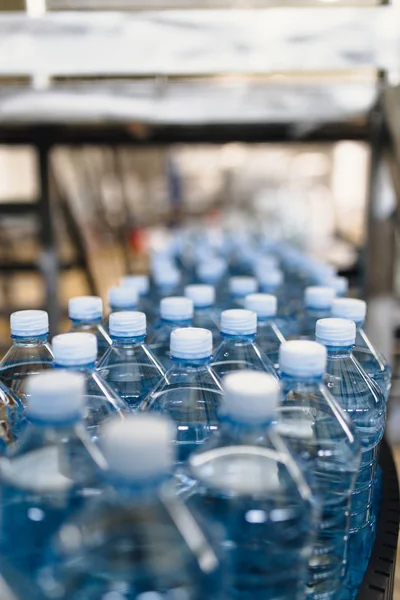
x,y
176,308
166,276
29,323
339,284
55,396
335,332
264,305
250,396
139,282
349,308
302,358
191,343
212,270
123,297
272,278
242,286
85,308
74,349
319,297
201,294
127,324
238,321
140,447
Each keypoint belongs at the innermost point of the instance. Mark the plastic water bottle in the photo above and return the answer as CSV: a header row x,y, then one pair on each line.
x,y
129,366
190,393
49,472
269,336
77,352
339,284
372,361
86,314
272,282
214,272
363,401
238,349
138,540
205,315
141,283
175,312
30,353
317,305
239,288
324,438
252,495
122,298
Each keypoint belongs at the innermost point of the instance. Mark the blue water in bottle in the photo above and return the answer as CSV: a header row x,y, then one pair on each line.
x,y
206,315
238,349
248,491
77,352
137,540
30,353
319,433
86,314
48,472
129,366
371,360
363,401
317,305
175,312
269,336
190,393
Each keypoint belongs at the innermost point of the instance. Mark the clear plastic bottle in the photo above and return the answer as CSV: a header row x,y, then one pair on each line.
x,y
30,353
239,288
371,360
190,393
269,336
129,366
238,349
250,493
141,283
214,272
319,433
175,312
86,314
122,298
137,540
272,282
362,400
317,305
339,284
48,472
77,352
206,314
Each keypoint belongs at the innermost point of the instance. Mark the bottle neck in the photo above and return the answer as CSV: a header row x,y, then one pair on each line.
x,y
236,428
313,311
44,425
302,380
87,322
142,490
32,340
116,309
86,368
119,342
262,321
203,309
176,323
194,363
339,351
238,337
